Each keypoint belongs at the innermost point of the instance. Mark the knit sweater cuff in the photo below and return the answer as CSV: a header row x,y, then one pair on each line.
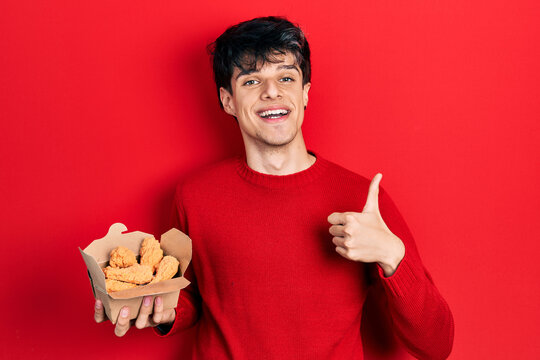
x,y
406,277
184,315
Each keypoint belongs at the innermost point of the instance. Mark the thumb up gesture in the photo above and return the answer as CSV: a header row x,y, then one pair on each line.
x,y
364,236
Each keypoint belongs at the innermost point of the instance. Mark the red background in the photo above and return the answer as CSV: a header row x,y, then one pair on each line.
x,y
105,105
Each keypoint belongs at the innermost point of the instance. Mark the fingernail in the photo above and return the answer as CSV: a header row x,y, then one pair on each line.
x,y
147,301
98,304
158,300
124,313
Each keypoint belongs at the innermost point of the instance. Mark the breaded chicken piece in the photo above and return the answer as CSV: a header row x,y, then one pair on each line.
x,y
122,257
151,253
115,285
167,268
135,274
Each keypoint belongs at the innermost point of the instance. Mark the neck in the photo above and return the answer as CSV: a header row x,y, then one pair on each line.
x,y
279,160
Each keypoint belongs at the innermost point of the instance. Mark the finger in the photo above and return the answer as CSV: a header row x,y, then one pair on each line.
x,y
158,310
372,201
337,218
144,313
122,324
99,312
337,230
340,242
341,251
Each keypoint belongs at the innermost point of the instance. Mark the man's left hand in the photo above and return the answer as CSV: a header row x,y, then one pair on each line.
x,y
365,237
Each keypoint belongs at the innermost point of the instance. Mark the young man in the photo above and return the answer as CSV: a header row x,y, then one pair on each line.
x,y
286,244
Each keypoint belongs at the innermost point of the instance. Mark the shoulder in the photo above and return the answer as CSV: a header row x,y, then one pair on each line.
x,y
354,184
207,177
212,172
358,182
336,172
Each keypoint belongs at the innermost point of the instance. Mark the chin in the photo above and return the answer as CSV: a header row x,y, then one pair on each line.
x,y
277,141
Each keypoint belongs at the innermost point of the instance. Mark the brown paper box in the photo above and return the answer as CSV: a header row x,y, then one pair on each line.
x,y
96,256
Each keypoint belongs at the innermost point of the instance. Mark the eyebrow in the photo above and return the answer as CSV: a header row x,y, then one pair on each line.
x,y
280,67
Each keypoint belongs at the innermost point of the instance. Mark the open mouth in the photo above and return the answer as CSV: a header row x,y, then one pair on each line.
x,y
273,114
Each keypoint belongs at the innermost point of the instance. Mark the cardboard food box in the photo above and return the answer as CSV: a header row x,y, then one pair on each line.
x,y
96,256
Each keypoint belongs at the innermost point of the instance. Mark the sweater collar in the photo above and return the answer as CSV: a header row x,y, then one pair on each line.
x,y
282,181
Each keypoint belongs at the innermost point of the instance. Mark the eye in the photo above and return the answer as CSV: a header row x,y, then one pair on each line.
x,y
287,79
250,82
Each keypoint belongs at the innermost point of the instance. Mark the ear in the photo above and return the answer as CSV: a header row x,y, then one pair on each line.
x,y
305,93
227,101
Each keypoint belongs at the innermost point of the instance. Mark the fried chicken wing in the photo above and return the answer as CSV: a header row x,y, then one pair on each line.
x,y
122,257
135,274
167,268
151,253
115,285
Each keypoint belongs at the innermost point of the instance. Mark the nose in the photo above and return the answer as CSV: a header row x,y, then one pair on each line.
x,y
271,90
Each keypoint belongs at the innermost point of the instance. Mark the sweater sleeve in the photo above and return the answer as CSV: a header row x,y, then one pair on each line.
x,y
421,318
189,301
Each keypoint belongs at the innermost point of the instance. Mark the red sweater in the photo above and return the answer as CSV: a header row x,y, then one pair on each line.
x,y
267,282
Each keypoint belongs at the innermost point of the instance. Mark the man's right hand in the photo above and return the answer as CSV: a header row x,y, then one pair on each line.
x,y
150,315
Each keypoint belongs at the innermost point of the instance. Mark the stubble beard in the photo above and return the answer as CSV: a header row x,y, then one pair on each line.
x,y
264,141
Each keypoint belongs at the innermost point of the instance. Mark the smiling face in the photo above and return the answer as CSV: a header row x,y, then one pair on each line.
x,y
268,103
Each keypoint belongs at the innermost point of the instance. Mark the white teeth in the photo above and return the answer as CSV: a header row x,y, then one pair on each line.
x,y
273,112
